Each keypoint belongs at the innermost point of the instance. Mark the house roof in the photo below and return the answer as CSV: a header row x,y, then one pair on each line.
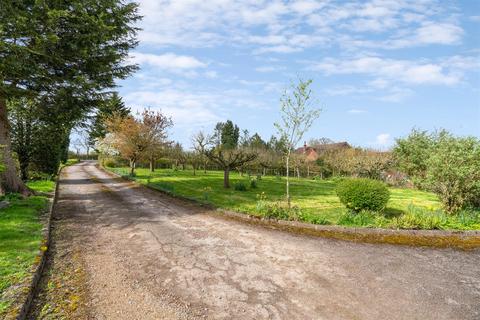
x,y
322,148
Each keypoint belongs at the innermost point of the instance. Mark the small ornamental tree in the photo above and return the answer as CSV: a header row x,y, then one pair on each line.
x,y
155,126
134,139
297,114
128,138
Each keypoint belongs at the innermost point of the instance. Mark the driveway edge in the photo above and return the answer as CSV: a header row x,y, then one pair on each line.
x,y
464,240
23,304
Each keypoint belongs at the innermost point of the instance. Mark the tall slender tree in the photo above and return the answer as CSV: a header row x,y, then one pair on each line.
x,y
297,114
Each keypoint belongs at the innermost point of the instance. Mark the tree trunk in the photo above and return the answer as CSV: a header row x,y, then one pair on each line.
x,y
152,165
10,182
24,170
288,180
194,169
264,171
132,167
226,178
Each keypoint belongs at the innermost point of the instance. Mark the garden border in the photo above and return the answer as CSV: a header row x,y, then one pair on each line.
x,y
22,305
457,239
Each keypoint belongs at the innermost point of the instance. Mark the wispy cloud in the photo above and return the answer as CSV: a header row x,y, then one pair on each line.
x,y
383,140
357,111
397,70
167,61
292,26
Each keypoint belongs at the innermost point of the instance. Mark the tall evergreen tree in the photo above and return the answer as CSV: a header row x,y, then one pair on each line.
x,y
72,48
230,135
113,105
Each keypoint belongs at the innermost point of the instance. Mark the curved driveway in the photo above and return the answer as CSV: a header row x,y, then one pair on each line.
x,y
148,256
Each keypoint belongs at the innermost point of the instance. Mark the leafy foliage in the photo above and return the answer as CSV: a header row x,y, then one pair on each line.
x,y
453,172
447,165
363,194
63,56
113,105
135,139
412,154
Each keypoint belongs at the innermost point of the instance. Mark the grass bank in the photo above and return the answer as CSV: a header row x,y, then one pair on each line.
x,y
20,239
317,200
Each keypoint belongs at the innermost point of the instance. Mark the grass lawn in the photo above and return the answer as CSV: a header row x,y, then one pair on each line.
x,y
316,199
42,185
20,239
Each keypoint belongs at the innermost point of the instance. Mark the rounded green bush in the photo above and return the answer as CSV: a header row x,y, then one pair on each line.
x,y
363,194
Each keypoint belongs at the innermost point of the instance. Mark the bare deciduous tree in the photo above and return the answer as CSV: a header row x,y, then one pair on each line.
x,y
229,159
200,142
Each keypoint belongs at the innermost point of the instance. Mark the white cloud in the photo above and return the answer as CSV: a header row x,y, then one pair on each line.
x,y
406,71
396,95
211,74
356,111
167,61
186,109
345,90
269,68
383,140
282,26
441,33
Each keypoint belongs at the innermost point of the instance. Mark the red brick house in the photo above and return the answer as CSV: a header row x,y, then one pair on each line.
x,y
312,153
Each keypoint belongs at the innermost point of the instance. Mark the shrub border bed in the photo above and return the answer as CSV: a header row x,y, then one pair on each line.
x,y
23,303
465,240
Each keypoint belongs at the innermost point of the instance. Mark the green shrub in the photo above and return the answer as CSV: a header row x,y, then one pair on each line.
x,y
110,163
280,211
240,186
453,171
313,218
253,184
363,194
277,210
364,218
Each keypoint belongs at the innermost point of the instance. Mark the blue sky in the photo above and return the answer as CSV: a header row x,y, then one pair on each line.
x,y
379,67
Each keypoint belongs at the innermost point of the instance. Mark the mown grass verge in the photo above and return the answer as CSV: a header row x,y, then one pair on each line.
x,y
20,241
316,200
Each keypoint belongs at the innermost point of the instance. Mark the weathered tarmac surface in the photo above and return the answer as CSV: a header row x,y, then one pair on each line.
x,y
148,256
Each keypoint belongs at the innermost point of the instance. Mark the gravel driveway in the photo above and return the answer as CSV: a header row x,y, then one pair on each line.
x,y
148,256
